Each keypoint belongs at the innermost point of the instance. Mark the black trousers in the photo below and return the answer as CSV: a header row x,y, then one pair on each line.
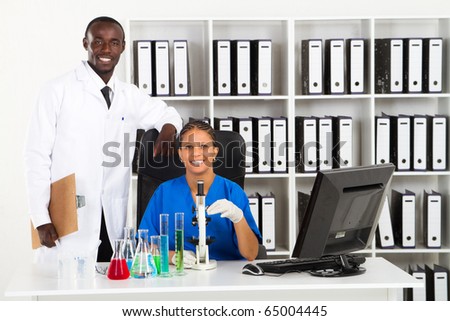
x,y
105,250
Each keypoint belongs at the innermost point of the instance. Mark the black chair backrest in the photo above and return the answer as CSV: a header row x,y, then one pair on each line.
x,y
152,171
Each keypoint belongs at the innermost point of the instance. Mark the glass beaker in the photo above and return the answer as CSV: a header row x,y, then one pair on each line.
x,y
179,243
129,246
118,269
155,248
143,265
164,234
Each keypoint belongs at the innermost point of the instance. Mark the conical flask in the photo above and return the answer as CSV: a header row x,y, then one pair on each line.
x,y
143,263
118,269
129,246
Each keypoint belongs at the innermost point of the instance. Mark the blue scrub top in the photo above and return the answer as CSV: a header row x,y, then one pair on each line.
x,y
175,196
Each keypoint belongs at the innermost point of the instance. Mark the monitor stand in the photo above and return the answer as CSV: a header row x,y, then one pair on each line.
x,y
345,269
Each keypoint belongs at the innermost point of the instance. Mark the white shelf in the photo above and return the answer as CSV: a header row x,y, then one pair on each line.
x,y
287,100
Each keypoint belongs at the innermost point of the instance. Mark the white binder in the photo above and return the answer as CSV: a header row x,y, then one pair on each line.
x,y
312,66
306,143
240,83
279,144
432,218
244,126
161,79
413,65
437,142
383,139
440,277
261,59
267,222
404,212
335,66
396,66
356,66
385,237
223,124
254,208
342,141
325,142
403,142
418,294
143,66
222,67
181,68
419,137
262,136
432,66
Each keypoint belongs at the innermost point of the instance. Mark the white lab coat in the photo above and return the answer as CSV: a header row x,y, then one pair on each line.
x,y
72,131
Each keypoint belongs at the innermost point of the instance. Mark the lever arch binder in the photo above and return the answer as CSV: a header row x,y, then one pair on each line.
x,y
267,220
262,154
261,67
312,67
401,141
279,144
385,234
436,283
240,67
432,65
222,67
244,126
143,65
253,201
412,65
334,66
417,294
324,142
161,72
383,139
420,140
181,74
356,65
432,218
223,124
404,218
437,142
306,144
342,141
388,66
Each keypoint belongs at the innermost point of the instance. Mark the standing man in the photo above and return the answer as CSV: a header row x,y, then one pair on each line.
x,y
83,123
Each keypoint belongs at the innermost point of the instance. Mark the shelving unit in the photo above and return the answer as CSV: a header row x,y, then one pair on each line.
x,y
287,100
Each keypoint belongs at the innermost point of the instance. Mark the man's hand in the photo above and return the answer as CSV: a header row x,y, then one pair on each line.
x,y
47,234
165,141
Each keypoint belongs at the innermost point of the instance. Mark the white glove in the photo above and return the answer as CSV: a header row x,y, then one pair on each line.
x,y
226,209
189,259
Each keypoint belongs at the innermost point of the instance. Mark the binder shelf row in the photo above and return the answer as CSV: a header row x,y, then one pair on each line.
x,y
348,65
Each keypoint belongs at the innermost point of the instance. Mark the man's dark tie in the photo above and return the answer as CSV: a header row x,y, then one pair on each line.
x,y
105,92
105,251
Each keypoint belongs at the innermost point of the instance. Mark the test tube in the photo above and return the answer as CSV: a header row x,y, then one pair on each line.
x,y
156,250
164,235
179,243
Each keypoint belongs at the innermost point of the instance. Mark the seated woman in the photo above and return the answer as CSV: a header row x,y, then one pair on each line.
x,y
235,231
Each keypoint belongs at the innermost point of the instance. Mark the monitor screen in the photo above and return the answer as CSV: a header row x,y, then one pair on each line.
x,y
342,212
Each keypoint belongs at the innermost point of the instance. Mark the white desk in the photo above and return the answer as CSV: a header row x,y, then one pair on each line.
x,y
382,281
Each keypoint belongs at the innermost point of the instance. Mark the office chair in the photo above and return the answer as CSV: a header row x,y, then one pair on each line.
x,y
152,171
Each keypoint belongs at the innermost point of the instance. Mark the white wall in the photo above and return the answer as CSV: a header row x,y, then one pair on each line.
x,y
40,39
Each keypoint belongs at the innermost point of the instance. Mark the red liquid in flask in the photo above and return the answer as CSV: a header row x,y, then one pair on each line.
x,y
118,270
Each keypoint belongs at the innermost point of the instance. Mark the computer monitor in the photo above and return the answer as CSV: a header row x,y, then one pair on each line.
x,y
342,213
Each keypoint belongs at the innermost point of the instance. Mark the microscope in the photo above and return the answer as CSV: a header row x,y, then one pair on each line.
x,y
201,243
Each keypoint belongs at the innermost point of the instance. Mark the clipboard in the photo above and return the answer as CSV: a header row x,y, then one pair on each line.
x,y
62,209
